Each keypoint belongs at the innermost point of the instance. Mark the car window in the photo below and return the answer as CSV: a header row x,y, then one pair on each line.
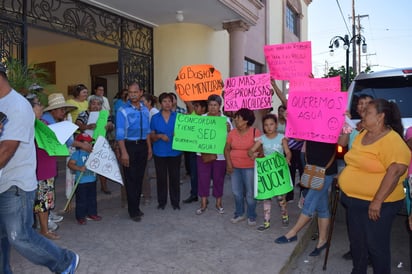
x,y
394,89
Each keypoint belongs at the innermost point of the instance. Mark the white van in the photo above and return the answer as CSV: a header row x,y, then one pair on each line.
x,y
394,85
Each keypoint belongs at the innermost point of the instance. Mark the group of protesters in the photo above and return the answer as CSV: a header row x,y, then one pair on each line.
x,y
142,133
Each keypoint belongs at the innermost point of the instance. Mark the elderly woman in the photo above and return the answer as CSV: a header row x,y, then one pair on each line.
x,y
99,91
371,185
167,160
211,165
46,172
95,105
241,166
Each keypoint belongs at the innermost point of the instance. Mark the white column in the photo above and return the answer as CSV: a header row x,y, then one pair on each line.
x,y
237,43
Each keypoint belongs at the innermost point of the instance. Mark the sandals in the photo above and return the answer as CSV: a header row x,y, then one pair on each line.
x,y
51,235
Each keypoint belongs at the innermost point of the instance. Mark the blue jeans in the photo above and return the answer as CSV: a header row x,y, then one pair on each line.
x,y
242,187
318,200
370,238
16,220
86,204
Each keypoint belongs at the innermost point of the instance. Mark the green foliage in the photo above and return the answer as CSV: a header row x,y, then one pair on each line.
x,y
341,71
22,77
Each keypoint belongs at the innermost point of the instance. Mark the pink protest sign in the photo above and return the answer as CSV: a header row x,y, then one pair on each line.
x,y
251,91
331,84
289,61
316,116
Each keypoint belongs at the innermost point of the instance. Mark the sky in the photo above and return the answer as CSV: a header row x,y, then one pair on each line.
x,y
387,30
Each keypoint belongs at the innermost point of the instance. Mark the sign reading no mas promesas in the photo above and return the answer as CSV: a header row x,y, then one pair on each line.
x,y
198,82
200,133
251,91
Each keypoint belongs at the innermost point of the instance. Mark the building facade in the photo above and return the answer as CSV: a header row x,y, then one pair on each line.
x,y
118,41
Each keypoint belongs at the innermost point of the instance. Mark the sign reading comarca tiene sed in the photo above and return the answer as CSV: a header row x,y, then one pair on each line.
x,y
200,133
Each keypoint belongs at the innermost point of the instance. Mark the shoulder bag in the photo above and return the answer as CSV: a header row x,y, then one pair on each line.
x,y
313,176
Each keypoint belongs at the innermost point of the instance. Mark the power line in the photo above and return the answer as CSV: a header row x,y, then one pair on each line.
x,y
343,17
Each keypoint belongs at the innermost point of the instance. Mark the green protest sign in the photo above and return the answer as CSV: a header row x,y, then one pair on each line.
x,y
101,123
46,139
200,133
272,176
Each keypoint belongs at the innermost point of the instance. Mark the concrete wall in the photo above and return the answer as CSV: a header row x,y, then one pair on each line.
x,y
177,45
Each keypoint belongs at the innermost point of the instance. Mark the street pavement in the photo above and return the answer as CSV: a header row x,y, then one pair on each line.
x,y
179,241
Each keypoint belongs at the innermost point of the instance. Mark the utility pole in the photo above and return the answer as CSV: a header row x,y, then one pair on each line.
x,y
353,35
359,44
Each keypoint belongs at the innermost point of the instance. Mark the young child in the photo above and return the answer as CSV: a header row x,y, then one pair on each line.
x,y
86,204
272,141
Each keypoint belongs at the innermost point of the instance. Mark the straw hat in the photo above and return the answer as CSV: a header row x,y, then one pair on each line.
x,y
56,100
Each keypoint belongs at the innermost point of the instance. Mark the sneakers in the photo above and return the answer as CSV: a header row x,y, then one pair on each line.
x,y
52,226
263,227
237,219
220,210
200,211
73,265
54,217
285,220
95,218
251,221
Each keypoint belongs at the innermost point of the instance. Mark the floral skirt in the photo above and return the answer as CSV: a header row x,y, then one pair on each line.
x,y
44,196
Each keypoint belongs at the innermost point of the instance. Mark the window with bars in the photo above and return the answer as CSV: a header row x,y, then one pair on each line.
x,y
292,20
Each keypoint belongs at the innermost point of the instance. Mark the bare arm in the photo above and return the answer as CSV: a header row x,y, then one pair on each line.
x,y
286,149
388,184
7,150
279,93
72,165
229,166
253,151
124,156
83,145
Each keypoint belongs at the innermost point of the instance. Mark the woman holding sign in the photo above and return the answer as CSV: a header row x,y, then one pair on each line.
x,y
167,160
212,165
95,106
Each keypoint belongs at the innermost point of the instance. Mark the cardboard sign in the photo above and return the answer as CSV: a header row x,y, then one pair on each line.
x,y
289,61
46,139
331,84
103,161
200,133
316,116
272,176
198,82
251,91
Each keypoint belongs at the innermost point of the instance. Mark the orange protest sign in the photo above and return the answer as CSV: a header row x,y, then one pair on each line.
x,y
197,82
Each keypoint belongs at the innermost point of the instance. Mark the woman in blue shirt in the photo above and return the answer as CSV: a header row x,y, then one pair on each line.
x,y
167,160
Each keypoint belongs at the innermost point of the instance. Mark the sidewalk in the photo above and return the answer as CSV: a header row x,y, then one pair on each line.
x,y
169,241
